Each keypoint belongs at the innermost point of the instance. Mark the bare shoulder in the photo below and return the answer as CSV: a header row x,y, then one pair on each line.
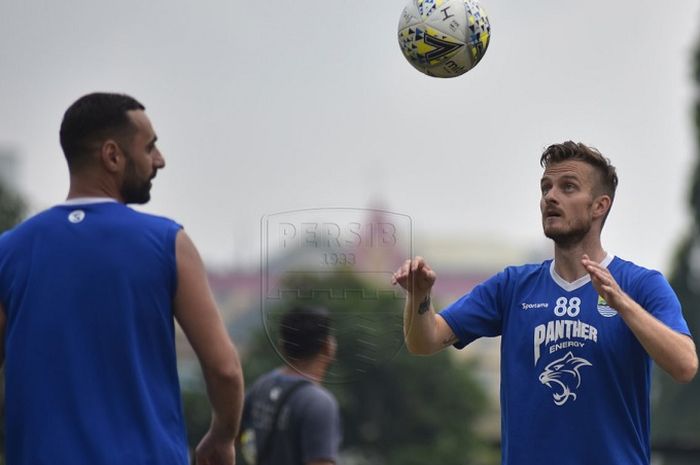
x,y
193,298
185,250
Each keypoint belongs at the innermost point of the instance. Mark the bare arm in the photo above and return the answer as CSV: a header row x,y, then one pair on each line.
x,y
424,330
198,315
671,350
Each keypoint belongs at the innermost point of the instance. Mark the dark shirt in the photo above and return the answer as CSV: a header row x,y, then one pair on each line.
x,y
308,426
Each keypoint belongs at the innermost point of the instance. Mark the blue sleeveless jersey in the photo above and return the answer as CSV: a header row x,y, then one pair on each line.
x,y
575,382
90,365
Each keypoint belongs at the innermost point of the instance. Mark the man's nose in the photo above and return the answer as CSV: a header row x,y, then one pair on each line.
x,y
159,161
550,196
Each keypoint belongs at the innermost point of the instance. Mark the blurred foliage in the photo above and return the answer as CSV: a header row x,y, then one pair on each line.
x,y
12,208
676,422
675,417
397,409
197,411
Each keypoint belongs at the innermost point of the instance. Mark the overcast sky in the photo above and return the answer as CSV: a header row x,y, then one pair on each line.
x,y
262,107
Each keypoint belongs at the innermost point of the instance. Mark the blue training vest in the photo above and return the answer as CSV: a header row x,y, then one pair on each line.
x,y
90,364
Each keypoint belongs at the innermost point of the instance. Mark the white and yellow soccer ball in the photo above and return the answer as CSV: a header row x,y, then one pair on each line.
x,y
444,38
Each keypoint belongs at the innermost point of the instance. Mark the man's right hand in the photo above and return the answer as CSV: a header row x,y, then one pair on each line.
x,y
213,451
425,331
415,276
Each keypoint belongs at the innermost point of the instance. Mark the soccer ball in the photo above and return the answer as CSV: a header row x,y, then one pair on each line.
x,y
444,38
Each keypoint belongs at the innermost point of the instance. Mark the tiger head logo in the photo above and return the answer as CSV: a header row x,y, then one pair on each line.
x,y
564,374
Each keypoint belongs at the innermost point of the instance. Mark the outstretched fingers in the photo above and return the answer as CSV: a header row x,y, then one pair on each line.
x,y
604,282
596,270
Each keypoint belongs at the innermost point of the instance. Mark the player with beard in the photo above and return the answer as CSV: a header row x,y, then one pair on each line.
x,y
578,332
89,291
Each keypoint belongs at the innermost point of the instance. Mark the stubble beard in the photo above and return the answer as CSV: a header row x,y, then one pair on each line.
x,y
132,189
568,238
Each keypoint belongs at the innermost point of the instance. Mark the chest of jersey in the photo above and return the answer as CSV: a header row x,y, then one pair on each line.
x,y
564,341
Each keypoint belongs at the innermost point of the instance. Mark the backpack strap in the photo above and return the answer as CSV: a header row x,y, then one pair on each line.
x,y
284,397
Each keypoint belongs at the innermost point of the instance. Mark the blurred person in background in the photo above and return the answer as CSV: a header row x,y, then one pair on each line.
x,y
288,417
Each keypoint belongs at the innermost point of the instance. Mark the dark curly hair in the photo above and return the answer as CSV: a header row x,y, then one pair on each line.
x,y
304,331
557,153
90,120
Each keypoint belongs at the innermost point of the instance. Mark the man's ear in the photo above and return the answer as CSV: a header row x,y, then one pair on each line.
x,y
601,206
111,156
330,347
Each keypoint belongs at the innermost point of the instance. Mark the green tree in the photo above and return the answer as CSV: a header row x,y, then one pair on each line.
x,y
397,409
676,419
12,208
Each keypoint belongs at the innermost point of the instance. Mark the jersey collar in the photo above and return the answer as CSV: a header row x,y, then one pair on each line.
x,y
85,201
573,285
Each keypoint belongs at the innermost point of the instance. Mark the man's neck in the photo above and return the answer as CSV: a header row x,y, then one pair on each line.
x,y
567,260
79,188
313,369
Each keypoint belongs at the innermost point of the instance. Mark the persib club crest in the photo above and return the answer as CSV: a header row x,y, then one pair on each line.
x,y
604,309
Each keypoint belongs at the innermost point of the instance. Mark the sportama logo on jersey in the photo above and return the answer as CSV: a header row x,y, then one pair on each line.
x,y
564,374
